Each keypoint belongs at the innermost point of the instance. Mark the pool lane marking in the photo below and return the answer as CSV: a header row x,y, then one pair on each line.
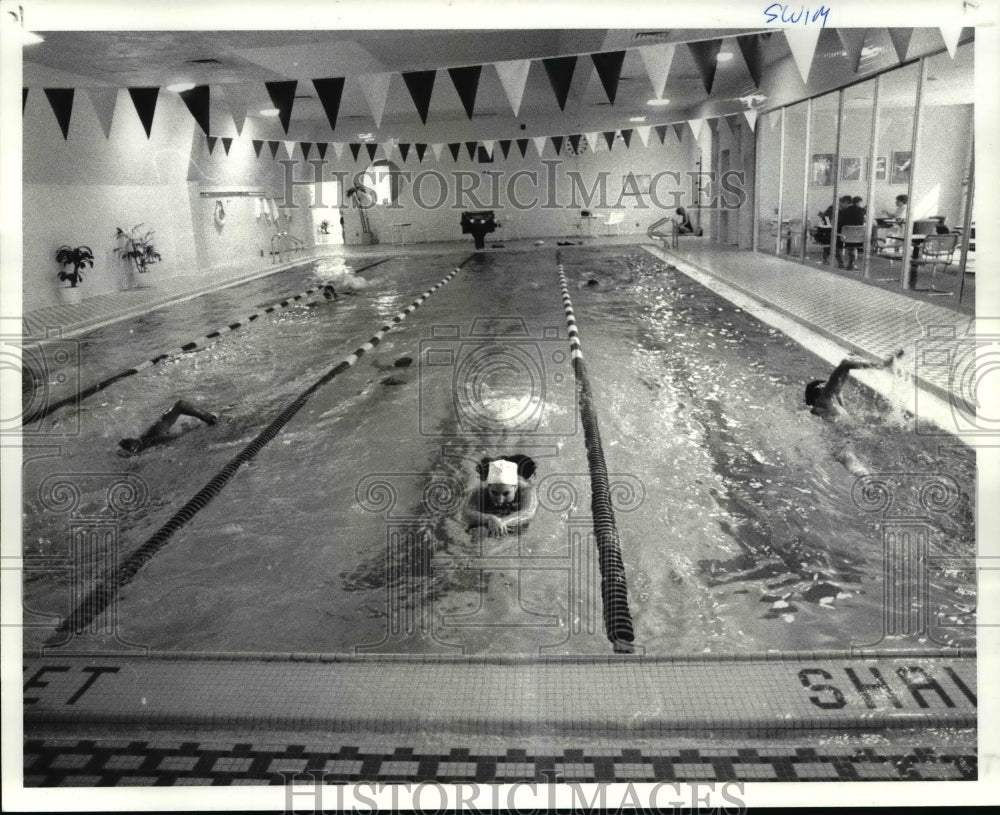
x,y
614,591
102,595
181,349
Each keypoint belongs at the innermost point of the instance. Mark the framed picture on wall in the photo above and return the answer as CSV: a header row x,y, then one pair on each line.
x,y
822,169
880,168
900,171
851,169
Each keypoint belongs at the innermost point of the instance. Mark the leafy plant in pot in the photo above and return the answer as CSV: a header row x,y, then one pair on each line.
x,y
137,247
76,256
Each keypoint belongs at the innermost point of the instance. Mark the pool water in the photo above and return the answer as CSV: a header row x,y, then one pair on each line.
x,y
740,524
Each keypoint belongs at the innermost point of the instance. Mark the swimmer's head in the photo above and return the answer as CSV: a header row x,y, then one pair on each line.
x,y
813,390
131,447
501,481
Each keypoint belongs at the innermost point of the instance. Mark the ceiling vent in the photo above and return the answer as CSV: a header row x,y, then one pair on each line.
x,y
648,36
208,61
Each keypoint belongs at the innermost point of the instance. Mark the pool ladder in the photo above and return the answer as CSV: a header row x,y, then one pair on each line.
x,y
296,245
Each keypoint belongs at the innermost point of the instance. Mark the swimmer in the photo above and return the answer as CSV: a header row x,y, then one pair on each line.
x,y
824,397
504,502
159,432
329,292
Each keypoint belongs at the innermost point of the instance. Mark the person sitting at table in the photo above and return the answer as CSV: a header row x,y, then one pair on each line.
x,y
899,214
851,215
684,225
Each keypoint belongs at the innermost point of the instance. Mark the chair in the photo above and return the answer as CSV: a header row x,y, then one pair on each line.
x,y
851,238
925,226
615,220
936,251
889,244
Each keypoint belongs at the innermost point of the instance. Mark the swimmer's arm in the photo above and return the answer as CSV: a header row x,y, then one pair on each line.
x,y
529,505
472,512
842,371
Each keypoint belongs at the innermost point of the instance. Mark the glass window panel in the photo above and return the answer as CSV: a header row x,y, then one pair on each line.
x,y
768,172
822,175
854,166
793,180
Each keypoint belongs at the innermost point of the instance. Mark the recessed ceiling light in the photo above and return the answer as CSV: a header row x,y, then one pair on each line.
x,y
656,103
270,112
724,56
180,87
637,118
366,136
31,38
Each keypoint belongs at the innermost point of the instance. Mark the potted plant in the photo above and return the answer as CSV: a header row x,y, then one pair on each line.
x,y
78,257
137,247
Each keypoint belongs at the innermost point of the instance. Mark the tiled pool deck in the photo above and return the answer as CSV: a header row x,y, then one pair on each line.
x,y
204,719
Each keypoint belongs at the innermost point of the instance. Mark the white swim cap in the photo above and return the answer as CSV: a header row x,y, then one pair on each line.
x,y
502,472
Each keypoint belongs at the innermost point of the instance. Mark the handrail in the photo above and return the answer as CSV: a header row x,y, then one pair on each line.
x,y
674,232
277,236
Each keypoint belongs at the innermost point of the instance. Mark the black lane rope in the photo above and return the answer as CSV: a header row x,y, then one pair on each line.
x,y
78,397
101,596
614,592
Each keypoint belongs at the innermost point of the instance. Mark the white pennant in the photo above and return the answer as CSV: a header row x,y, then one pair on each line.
x,y
376,89
290,148
803,41
436,150
643,134
950,35
751,117
657,59
387,149
338,149
695,125
104,101
593,139
539,144
488,146
513,76
236,101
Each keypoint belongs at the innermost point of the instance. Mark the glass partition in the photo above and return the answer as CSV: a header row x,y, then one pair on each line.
x,y
820,189
768,175
793,178
854,172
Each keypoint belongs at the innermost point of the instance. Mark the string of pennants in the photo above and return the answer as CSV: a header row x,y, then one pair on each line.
x,y
513,76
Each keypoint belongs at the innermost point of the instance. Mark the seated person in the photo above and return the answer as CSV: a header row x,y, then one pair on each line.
x,y
824,397
850,215
504,501
684,225
160,431
899,213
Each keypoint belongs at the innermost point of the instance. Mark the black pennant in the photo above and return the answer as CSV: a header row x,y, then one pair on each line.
x,y
557,142
454,147
274,148
466,82
752,48
283,96
627,136
321,149
609,69
679,130
198,102
372,148
705,55
661,131
471,147
355,149
574,142
144,100
227,142
61,101
211,143
404,150
421,149
421,85
522,145
609,137
330,92
504,146
257,144
560,71
305,147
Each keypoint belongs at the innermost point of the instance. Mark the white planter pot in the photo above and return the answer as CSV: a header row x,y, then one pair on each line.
x,y
71,295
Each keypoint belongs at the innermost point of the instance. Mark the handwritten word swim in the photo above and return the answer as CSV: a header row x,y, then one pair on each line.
x,y
781,11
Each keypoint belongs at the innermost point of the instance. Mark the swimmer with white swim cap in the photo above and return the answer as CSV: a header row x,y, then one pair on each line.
x,y
504,501
824,397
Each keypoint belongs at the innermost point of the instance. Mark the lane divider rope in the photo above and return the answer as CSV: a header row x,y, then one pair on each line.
x,y
90,390
614,591
102,595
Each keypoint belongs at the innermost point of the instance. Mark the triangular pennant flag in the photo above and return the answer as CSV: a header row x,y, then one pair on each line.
x,y
609,137
198,101
853,40
627,136
574,143
338,150
696,127
488,146
471,147
321,148
560,72
466,81
355,149
803,41
661,131
539,144
235,95
706,58
679,131
376,90
657,59
329,92
227,142
387,149
504,146
274,145
751,117
454,147
437,149
211,143
643,134
372,149
305,147
283,96
592,140
144,100
513,76
289,148
752,48
24,98
609,69
420,85
901,41
104,101
557,142
404,151
522,145
257,144
951,35
421,149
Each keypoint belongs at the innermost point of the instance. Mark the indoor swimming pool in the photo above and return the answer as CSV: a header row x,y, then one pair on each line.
x,y
736,508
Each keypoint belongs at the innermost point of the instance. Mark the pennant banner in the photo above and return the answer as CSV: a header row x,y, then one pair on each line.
x,y
437,149
706,59
211,140
471,147
609,69
321,148
504,146
627,137
104,101
355,149
901,41
679,131
466,82
283,96
330,92
557,142
609,137
752,48
61,102
657,59
560,72
421,85
853,40
513,77
951,34
574,144
539,144
593,139
522,145
305,147
454,148
198,101
376,90
372,149
751,117
144,100
802,42
273,145
289,148
257,144
643,133
338,150
421,149
404,151
236,100
661,131
227,142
